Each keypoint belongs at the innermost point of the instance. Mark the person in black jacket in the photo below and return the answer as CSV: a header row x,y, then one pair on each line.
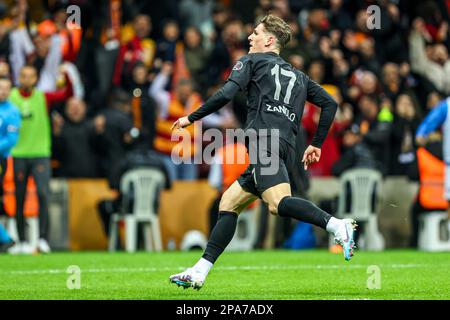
x,y
403,145
139,157
357,154
143,106
74,141
115,131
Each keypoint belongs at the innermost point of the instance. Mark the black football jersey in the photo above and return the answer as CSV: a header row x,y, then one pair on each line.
x,y
276,93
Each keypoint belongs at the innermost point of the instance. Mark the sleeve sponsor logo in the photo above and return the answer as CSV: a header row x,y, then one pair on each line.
x,y
238,66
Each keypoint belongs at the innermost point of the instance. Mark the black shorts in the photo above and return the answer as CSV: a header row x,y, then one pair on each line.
x,y
269,170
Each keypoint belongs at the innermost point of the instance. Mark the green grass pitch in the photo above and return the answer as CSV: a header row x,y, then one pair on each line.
x,y
294,275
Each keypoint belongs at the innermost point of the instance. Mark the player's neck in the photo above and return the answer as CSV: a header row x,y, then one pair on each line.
x,y
275,51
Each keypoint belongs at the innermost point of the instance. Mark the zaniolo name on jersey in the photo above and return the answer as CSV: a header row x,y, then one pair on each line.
x,y
281,109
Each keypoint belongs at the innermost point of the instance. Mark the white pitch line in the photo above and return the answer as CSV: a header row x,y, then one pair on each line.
x,y
224,268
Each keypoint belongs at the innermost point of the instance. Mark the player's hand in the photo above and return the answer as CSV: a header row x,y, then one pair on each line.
x,y
311,155
421,141
181,123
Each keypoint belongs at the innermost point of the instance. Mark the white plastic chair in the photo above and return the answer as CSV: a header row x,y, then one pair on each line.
x,y
364,184
432,237
246,232
145,184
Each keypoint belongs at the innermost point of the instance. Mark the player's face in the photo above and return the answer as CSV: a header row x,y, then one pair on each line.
x,y
259,39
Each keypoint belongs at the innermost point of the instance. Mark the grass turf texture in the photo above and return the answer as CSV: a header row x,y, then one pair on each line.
x,y
255,275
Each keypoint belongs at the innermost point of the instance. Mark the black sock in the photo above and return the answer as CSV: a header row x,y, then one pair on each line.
x,y
221,235
303,210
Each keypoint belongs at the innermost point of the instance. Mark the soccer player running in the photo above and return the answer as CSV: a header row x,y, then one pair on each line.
x,y
276,96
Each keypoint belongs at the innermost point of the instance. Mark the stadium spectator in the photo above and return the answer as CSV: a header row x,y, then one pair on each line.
x,y
374,124
338,16
403,146
196,57
166,47
435,15
294,53
46,60
180,102
137,48
363,83
74,141
195,13
115,132
316,71
4,70
32,152
136,158
393,79
388,39
231,39
332,143
70,33
433,62
143,106
105,38
356,154
212,29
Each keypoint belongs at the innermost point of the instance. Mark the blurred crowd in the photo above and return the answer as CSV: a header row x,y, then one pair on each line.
x,y
103,81
129,68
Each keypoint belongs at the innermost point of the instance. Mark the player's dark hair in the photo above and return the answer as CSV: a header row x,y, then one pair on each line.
x,y
279,28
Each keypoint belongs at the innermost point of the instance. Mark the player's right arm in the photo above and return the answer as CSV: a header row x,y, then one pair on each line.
x,y
318,96
238,80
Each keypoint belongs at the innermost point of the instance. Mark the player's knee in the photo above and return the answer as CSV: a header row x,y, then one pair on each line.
x,y
273,208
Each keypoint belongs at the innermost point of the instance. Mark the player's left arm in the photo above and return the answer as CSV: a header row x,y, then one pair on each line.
x,y
318,96
214,103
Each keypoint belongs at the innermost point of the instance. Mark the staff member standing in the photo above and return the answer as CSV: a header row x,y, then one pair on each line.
x,y
32,153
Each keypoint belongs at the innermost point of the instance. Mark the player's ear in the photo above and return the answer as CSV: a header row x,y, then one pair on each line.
x,y
270,40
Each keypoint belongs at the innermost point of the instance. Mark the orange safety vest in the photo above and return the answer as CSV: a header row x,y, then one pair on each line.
x,y
163,142
71,37
231,167
431,176
31,206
